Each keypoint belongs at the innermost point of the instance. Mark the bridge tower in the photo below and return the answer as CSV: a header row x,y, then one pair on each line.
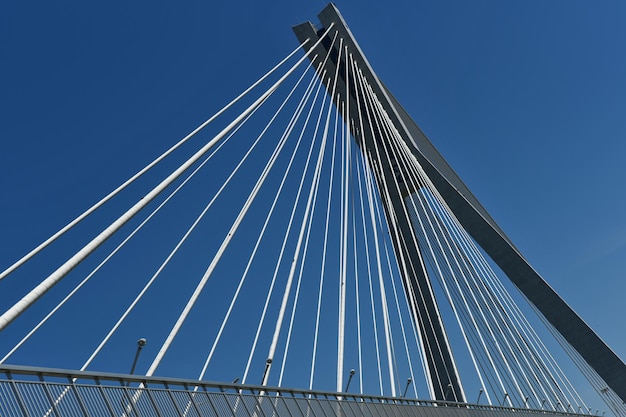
x,y
444,379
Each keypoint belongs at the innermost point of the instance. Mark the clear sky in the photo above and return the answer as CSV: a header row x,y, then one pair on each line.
x,y
525,99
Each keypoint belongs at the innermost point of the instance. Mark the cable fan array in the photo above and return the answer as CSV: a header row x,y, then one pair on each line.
x,y
266,256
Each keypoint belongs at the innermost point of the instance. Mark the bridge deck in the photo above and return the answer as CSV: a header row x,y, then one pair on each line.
x,y
30,391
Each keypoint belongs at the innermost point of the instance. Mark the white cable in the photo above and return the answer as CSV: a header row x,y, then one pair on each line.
x,y
261,234
393,132
190,230
101,264
386,321
345,147
431,250
364,169
390,349
398,310
112,194
86,364
296,115
287,232
345,134
488,304
381,192
447,291
323,262
370,280
381,225
381,286
300,274
173,252
529,332
395,233
397,303
416,336
416,165
290,222
381,116
182,317
467,238
443,251
70,264
294,262
531,386
496,317
356,286
281,313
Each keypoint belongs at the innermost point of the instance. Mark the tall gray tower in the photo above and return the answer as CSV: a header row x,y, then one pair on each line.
x,y
444,379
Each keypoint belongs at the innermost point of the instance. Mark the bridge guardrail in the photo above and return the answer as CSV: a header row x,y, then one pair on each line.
x,y
33,391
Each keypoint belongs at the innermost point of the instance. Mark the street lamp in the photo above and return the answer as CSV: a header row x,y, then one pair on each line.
x,y
479,394
352,372
140,344
408,382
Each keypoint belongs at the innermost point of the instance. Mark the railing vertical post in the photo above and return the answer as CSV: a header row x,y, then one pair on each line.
x,y
258,409
105,397
277,402
243,403
169,392
208,398
297,402
320,405
131,403
227,401
79,399
274,404
191,401
152,400
46,390
18,395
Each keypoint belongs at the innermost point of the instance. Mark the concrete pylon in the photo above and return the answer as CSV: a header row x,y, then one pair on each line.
x,y
445,382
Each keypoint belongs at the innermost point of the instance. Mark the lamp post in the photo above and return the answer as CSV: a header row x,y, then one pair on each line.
x,y
352,372
408,382
140,344
479,394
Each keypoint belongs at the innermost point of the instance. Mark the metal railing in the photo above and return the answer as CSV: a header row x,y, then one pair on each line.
x,y
42,392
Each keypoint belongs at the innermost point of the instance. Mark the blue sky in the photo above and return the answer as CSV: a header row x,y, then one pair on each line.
x,y
525,99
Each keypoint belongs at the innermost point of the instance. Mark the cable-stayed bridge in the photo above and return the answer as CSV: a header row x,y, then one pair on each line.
x,y
312,230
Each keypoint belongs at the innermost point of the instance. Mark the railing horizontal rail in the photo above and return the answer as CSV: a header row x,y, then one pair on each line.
x,y
28,390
